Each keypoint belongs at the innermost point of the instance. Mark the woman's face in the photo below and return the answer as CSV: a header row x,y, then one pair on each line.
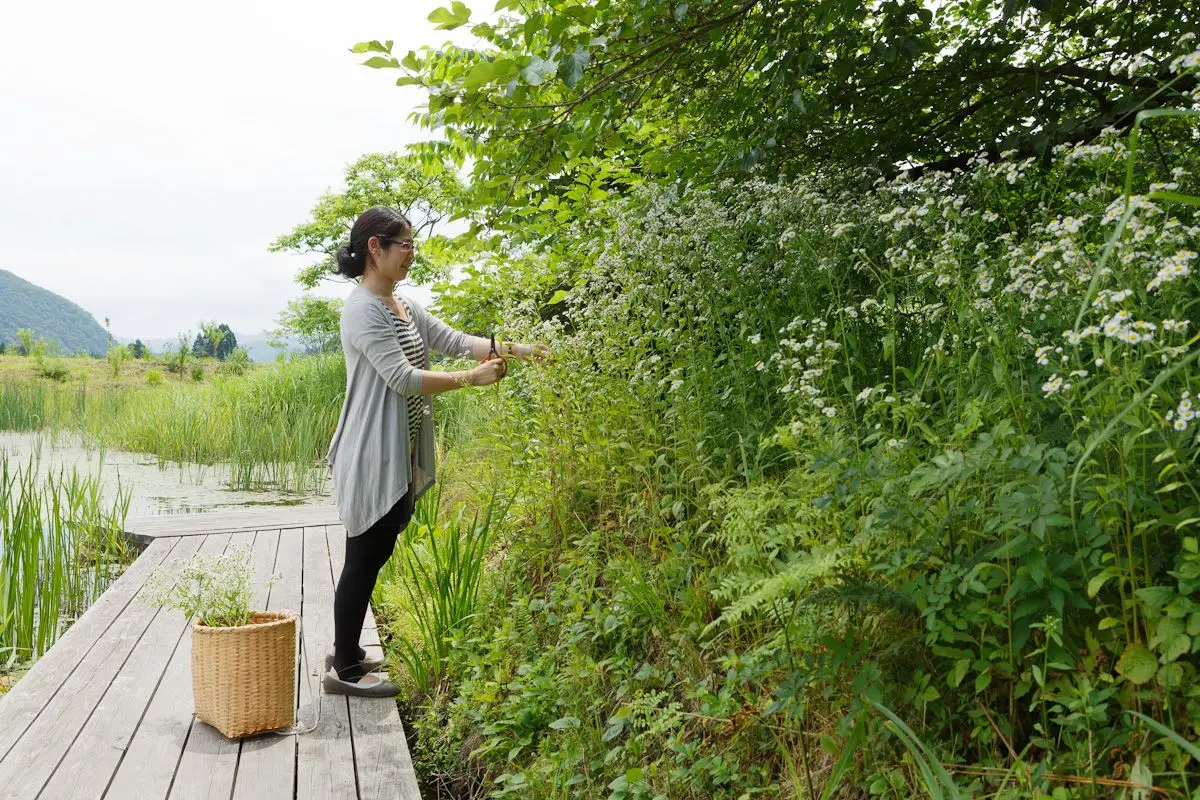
x,y
393,255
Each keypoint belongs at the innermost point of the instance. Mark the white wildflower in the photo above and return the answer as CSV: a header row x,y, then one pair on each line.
x,y
1053,386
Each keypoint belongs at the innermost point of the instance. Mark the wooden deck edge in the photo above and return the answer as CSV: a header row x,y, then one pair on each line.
x,y
143,530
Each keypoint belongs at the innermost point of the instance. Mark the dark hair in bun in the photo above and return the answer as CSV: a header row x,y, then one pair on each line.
x,y
378,221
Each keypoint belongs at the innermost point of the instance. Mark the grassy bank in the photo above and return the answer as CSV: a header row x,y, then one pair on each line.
x,y
833,484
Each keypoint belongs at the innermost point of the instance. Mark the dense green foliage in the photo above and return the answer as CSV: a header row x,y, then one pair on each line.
x,y
557,98
811,456
866,466
63,325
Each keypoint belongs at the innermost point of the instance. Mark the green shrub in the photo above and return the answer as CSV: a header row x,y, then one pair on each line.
x,y
817,464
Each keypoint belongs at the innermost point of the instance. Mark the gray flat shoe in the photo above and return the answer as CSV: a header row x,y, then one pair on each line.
x,y
367,664
371,685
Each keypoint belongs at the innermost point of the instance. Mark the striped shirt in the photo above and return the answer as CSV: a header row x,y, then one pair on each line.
x,y
414,348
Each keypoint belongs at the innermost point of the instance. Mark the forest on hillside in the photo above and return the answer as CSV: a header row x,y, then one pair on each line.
x,y
24,306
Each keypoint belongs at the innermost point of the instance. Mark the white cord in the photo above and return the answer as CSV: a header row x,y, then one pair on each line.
x,y
299,729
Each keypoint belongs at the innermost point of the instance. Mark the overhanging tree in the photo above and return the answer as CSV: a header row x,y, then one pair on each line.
x,y
661,89
423,185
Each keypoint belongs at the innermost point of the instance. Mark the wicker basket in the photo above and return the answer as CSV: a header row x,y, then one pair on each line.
x,y
244,678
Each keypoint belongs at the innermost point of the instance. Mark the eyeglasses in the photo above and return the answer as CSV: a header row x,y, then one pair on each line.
x,y
404,244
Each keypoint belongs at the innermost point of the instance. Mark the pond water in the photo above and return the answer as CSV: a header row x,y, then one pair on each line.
x,y
171,489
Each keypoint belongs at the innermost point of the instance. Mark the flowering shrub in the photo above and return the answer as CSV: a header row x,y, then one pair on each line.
x,y
214,588
820,442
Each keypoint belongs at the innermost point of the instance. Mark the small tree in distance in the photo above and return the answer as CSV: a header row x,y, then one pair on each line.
x,y
312,320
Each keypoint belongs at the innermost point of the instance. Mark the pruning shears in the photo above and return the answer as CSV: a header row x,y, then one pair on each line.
x,y
494,353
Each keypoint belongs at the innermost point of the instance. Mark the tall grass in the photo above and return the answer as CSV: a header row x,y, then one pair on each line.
x,y
61,544
439,570
272,425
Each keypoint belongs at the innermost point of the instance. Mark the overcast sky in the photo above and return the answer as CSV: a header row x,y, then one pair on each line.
x,y
150,151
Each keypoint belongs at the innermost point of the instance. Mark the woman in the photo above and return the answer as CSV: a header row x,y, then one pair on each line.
x,y
382,454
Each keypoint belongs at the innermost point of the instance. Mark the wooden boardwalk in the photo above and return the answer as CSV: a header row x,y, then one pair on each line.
x,y
107,713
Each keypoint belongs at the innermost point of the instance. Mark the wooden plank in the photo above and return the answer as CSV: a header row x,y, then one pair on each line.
x,y
94,756
276,517
267,764
325,763
209,760
22,704
32,760
145,529
381,757
149,762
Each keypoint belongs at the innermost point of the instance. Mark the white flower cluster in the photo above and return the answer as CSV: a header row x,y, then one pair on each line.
x,y
1087,152
1186,62
1175,325
1118,326
1139,203
806,361
1183,413
1055,385
1043,355
1173,268
1107,298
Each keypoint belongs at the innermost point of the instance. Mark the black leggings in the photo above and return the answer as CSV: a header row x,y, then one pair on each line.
x,y
365,556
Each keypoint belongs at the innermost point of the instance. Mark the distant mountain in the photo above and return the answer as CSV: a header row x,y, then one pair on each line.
x,y
50,316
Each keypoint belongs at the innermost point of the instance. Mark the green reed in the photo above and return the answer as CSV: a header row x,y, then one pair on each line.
x,y
61,544
440,569
272,426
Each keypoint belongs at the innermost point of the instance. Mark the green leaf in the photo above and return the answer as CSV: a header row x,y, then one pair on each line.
x,y
1176,646
1170,676
563,723
379,62
1097,582
571,69
450,18
480,74
557,298
1188,747
681,12
372,47
959,672
533,72
1137,664
1176,197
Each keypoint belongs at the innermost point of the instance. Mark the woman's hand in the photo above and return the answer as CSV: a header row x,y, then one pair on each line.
x,y
487,373
530,352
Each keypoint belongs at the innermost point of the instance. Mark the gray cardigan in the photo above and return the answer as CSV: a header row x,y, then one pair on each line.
x,y
369,456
